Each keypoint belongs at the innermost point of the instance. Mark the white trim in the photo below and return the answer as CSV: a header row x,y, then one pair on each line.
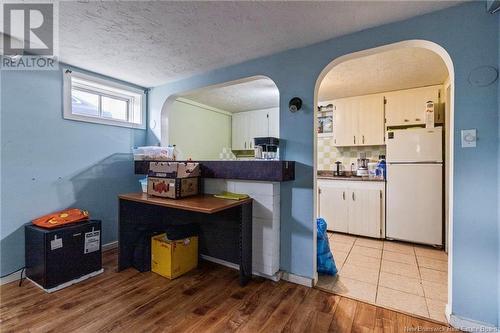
x,y
68,73
220,262
297,279
447,312
15,276
276,277
109,246
69,283
469,325
203,106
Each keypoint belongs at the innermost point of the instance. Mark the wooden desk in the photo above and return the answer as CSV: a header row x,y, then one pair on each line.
x,y
225,226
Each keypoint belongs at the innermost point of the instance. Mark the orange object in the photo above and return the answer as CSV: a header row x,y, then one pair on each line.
x,y
61,218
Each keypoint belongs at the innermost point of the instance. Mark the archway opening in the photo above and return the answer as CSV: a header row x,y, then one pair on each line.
x,y
220,121
365,99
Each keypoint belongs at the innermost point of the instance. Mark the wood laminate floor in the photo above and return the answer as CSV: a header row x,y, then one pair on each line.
x,y
207,299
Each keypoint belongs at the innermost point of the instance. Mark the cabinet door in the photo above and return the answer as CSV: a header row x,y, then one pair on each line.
x,y
274,122
395,109
365,212
333,207
419,98
407,107
259,124
343,123
240,131
371,120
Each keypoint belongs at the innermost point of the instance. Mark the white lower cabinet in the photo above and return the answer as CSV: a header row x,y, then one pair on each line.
x,y
354,207
333,207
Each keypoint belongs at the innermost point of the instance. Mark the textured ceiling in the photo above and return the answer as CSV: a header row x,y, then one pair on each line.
x,y
251,94
392,70
153,42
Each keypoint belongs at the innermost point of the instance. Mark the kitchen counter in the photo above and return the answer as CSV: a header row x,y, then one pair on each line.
x,y
325,174
260,170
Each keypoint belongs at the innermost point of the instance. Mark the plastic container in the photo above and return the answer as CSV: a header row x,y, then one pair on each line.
x,y
372,169
144,184
155,153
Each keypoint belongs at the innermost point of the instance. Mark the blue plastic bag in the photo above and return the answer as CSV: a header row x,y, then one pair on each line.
x,y
326,264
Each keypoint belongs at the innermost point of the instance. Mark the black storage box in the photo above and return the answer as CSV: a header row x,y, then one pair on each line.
x,y
57,258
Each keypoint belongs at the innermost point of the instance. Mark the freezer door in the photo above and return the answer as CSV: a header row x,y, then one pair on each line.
x,y
414,203
415,145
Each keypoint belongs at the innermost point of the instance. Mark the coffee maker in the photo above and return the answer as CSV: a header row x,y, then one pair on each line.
x,y
362,170
267,148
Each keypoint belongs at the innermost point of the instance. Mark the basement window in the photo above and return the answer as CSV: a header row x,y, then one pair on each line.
x,y
97,100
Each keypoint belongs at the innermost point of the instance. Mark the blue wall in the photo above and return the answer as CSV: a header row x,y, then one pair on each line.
x,y
470,36
49,163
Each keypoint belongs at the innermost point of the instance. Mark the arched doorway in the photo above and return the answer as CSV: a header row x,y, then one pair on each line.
x,y
448,99
257,92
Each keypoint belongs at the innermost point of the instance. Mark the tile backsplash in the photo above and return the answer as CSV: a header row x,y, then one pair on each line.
x,y
328,154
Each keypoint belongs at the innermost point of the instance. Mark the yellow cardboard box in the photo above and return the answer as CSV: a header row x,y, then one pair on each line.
x,y
171,259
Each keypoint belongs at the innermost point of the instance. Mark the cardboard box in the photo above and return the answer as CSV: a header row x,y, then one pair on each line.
x,y
173,188
171,259
174,169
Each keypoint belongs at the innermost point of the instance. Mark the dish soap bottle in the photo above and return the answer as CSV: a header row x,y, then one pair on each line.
x,y
381,167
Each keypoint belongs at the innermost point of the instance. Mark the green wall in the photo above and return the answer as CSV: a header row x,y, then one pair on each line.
x,y
199,133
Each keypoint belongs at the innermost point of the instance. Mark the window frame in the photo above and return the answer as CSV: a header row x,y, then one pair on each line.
x,y
134,97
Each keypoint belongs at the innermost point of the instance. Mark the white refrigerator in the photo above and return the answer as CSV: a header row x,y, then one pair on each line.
x,y
415,185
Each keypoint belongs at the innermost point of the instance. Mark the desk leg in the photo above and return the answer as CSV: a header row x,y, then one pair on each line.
x,y
246,244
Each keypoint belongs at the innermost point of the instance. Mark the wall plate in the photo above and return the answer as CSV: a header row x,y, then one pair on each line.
x,y
469,138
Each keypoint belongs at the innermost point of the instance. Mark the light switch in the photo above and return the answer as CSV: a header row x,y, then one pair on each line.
x,y
469,138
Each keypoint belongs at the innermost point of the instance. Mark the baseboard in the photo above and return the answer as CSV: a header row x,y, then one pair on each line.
x,y
220,262
297,279
276,277
447,312
15,276
109,246
69,283
469,325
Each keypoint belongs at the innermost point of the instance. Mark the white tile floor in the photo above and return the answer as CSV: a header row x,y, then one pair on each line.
x,y
401,276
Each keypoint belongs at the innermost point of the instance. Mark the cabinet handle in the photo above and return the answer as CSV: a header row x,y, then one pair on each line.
x,y
417,119
407,120
353,199
343,195
245,144
363,139
355,139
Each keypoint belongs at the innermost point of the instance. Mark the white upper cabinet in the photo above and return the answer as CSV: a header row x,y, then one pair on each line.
x,y
358,121
407,107
274,122
240,131
343,123
253,124
371,120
